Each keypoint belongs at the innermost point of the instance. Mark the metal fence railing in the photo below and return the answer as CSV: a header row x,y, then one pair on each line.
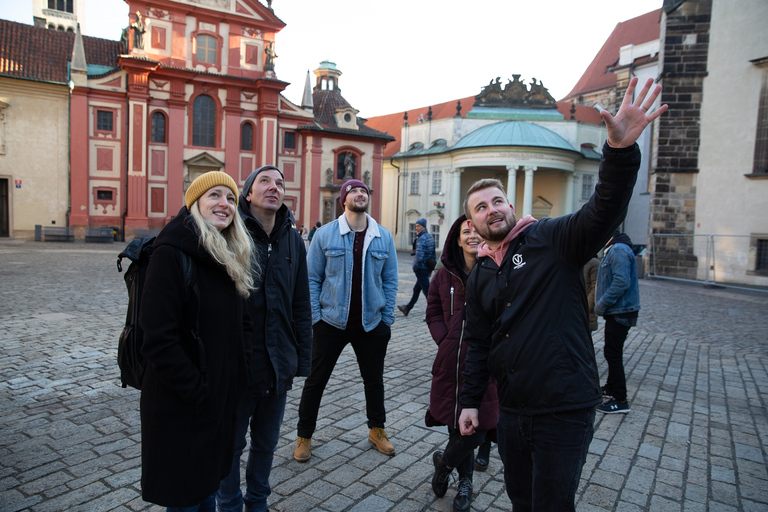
x,y
736,261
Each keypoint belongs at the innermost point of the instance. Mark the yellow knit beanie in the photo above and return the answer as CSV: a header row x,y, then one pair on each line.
x,y
207,181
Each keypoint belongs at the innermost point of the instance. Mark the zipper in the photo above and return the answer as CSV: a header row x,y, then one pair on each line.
x,y
451,300
458,367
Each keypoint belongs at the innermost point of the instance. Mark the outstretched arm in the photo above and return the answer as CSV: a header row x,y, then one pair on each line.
x,y
633,116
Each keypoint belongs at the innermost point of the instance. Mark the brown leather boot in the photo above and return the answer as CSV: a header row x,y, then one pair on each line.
x,y
303,452
378,438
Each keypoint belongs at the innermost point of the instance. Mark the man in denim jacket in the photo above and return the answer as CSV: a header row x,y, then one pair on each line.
x,y
352,285
618,302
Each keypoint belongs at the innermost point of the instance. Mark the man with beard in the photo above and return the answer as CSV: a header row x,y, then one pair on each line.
x,y
527,321
353,286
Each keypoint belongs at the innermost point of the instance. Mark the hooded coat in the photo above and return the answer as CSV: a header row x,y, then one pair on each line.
x,y
280,307
445,318
188,415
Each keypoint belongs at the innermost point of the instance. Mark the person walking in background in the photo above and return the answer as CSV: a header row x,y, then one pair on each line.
x,y
445,318
282,335
618,302
312,231
195,347
423,264
590,282
353,286
527,319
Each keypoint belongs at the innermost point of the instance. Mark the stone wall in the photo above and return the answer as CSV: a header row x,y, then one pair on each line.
x,y
685,43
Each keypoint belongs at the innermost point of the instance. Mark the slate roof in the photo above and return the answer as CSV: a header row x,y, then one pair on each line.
x,y
324,110
37,53
391,123
638,30
513,133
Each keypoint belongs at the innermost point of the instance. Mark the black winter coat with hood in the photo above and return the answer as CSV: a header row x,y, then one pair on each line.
x,y
527,321
445,318
280,307
187,416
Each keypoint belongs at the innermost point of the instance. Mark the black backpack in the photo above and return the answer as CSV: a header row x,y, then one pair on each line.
x,y
129,357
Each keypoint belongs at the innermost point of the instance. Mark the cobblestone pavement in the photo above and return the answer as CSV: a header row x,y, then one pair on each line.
x,y
696,438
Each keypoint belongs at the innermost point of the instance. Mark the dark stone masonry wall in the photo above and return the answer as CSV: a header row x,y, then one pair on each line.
x,y
685,43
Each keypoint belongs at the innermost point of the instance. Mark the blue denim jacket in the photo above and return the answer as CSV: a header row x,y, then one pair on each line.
x,y
617,288
330,260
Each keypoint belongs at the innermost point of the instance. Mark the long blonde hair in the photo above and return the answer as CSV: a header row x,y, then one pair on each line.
x,y
231,247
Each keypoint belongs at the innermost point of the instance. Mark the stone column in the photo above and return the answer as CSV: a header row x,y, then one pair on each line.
x,y
512,183
528,190
455,201
570,180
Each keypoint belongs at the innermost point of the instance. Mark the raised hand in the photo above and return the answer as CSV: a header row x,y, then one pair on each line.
x,y
632,117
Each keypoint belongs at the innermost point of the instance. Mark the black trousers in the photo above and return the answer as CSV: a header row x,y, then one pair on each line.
x,y
615,336
327,344
460,452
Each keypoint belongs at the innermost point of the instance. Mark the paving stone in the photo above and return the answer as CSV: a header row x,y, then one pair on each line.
x,y
695,439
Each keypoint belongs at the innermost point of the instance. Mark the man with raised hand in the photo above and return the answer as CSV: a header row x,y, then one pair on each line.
x,y
527,322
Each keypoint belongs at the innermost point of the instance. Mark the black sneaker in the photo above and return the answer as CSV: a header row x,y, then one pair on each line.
x,y
404,310
440,478
613,406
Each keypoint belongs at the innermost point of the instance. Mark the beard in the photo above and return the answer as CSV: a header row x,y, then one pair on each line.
x,y
358,208
495,235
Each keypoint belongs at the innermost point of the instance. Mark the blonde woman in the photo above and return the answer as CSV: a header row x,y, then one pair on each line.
x,y
194,347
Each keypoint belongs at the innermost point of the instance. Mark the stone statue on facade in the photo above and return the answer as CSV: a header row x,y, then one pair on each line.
x,y
349,166
515,95
139,28
269,60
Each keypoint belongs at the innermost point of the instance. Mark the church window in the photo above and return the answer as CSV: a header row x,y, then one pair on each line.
x,y
204,122
158,127
415,183
290,140
246,137
104,121
206,48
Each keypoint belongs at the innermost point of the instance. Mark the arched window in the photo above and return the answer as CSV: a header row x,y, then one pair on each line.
x,y
246,137
204,122
206,49
158,127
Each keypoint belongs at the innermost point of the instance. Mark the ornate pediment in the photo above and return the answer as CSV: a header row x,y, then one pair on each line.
x,y
515,94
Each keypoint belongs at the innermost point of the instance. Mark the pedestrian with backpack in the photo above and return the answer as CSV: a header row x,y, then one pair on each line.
x,y
195,356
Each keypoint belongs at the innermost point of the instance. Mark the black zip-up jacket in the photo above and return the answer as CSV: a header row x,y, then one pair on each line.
x,y
280,308
527,321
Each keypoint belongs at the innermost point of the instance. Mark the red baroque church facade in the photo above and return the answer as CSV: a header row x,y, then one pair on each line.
x,y
193,91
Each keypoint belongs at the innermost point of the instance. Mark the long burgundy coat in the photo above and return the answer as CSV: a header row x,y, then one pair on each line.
x,y
445,318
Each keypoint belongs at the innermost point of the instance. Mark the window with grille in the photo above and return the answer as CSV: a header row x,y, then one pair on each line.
x,y
434,230
437,182
415,183
158,127
204,122
206,48
246,137
761,262
61,5
104,120
289,142
587,185
412,235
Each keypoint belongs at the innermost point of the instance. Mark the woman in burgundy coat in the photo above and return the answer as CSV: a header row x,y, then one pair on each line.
x,y
445,317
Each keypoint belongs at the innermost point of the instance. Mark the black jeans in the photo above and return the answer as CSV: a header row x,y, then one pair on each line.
x,y
460,452
543,457
615,334
327,344
422,285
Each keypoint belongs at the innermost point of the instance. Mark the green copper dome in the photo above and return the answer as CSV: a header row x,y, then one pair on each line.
x,y
513,133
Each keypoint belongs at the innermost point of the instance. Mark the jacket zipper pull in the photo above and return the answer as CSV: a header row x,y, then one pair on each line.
x,y
451,300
